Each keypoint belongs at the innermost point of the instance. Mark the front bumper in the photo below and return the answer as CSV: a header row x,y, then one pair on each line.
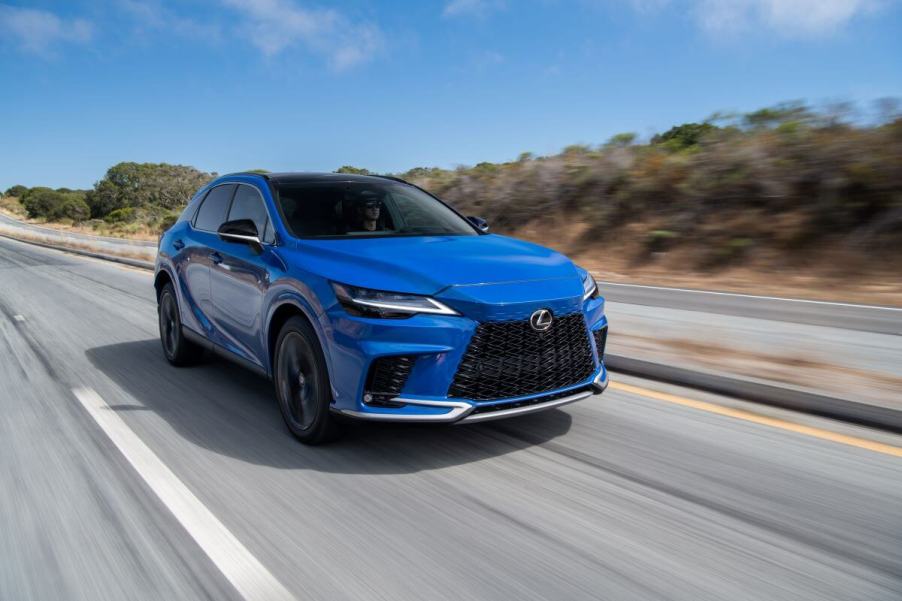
x,y
437,344
460,411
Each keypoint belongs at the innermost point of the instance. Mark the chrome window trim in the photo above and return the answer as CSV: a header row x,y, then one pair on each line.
x,y
206,196
265,209
229,210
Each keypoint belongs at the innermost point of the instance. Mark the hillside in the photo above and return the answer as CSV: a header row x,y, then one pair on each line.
x,y
780,189
782,197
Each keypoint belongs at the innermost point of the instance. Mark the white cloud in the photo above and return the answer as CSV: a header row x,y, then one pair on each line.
x,y
151,14
39,31
806,17
479,8
277,25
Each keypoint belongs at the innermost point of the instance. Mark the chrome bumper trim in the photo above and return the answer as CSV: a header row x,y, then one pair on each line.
x,y
457,409
502,413
601,382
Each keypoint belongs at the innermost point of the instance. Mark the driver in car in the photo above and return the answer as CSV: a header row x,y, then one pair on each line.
x,y
371,212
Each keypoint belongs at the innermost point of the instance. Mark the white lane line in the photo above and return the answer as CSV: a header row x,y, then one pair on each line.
x,y
738,295
19,318
252,580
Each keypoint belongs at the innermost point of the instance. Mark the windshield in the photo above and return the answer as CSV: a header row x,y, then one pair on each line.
x,y
360,209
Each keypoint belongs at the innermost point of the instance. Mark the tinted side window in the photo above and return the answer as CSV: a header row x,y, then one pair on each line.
x,y
249,205
191,209
212,213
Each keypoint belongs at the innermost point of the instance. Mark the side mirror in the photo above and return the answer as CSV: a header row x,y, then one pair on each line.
x,y
243,231
481,224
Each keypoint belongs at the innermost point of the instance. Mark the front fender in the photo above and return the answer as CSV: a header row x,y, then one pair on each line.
x,y
293,293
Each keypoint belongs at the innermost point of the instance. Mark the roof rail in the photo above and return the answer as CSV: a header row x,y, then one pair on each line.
x,y
263,175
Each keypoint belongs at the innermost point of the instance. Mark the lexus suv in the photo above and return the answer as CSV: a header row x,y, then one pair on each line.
x,y
367,297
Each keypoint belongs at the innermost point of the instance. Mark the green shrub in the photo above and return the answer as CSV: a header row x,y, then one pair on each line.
x,y
52,205
123,215
167,221
660,240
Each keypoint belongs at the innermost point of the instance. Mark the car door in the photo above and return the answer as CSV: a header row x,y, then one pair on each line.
x,y
198,248
240,276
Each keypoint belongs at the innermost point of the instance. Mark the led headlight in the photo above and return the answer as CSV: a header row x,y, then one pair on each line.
x,y
364,302
590,288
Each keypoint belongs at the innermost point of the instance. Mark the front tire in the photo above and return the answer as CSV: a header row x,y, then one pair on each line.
x,y
178,350
302,384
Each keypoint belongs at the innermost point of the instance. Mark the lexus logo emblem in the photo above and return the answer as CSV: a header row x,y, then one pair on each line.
x,y
541,320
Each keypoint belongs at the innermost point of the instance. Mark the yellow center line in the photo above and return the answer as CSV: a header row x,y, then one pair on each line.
x,y
773,422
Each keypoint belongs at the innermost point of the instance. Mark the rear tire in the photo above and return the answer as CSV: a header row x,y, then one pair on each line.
x,y
177,349
302,384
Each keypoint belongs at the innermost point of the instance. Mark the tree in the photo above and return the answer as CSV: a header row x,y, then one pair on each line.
x,y
684,136
622,140
352,170
145,185
18,191
777,115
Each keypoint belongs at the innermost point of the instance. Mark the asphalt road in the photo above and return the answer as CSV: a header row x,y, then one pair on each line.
x,y
848,316
631,495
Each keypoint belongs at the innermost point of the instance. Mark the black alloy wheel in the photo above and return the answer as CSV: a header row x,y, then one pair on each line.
x,y
302,384
178,350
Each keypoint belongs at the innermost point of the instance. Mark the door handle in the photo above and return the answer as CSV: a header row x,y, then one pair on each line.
x,y
178,244
216,258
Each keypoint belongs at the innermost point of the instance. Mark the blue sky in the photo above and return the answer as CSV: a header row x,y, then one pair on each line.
x,y
227,85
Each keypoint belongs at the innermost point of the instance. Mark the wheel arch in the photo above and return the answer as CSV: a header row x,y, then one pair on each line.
x,y
281,312
162,278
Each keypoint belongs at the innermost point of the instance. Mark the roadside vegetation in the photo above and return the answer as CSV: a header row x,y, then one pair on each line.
x,y
131,200
787,187
780,187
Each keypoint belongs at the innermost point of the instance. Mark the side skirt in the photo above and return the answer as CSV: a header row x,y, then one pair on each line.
x,y
202,341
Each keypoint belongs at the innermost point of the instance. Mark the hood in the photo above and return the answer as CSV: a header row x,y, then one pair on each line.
x,y
430,264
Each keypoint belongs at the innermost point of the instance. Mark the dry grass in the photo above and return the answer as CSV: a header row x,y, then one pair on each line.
x,y
130,231
622,256
11,206
148,255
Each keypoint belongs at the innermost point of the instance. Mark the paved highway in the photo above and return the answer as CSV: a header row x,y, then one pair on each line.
x,y
848,316
124,478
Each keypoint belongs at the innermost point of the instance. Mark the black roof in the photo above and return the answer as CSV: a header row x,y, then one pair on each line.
x,y
302,177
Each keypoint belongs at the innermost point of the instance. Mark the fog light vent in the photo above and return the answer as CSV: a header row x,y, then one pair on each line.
x,y
601,337
386,379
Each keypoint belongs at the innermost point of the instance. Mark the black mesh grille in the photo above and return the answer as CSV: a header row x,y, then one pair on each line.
x,y
387,377
601,336
528,403
508,358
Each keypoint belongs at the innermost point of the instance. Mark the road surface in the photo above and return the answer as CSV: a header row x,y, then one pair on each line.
x,y
100,243
848,316
124,478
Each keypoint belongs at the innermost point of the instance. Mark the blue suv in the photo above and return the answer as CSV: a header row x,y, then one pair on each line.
x,y
367,297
